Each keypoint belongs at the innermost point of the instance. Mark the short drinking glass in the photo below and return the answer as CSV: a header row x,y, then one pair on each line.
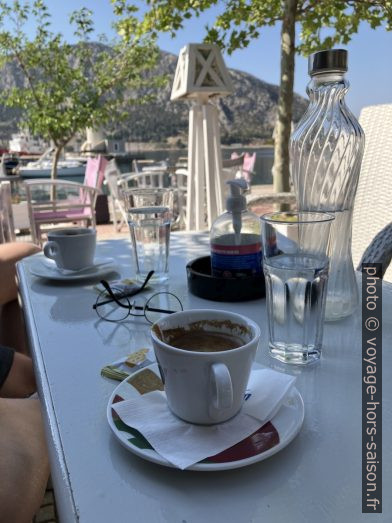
x,y
149,219
296,262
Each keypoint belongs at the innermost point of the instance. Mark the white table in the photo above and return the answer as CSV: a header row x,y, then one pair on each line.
x,y
316,478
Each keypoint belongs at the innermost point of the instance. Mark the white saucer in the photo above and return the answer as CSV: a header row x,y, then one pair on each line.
x,y
287,422
45,268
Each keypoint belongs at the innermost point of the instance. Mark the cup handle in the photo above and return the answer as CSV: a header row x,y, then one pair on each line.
x,y
52,251
222,386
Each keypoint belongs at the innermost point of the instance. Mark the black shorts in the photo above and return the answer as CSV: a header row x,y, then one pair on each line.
x,y
6,360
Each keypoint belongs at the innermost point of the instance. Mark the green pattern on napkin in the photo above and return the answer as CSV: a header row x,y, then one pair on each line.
x,y
138,440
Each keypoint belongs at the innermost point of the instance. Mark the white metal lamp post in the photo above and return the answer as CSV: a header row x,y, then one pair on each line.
x,y
200,75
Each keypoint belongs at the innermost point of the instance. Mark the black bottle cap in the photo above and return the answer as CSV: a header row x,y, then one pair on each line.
x,y
332,60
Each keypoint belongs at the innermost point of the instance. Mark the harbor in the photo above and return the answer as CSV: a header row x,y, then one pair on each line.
x,y
72,167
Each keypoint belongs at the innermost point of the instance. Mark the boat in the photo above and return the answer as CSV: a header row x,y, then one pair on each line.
x,y
24,144
8,164
42,168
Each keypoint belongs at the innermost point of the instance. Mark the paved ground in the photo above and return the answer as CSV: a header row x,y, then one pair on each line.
x,y
47,512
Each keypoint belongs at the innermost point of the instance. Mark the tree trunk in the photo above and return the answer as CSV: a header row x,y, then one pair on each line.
x,y
53,174
56,158
281,169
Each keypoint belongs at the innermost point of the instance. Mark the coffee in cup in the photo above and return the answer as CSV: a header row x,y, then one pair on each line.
x,y
205,358
200,340
72,248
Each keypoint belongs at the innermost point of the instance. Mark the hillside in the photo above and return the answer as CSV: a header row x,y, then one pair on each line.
x,y
246,116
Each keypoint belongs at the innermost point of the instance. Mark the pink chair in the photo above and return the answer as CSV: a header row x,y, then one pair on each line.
x,y
60,201
232,168
248,166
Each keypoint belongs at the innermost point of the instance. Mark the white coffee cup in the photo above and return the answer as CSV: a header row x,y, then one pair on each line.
x,y
72,248
205,387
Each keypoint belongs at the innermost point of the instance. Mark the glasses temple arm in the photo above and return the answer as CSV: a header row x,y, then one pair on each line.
x,y
112,295
146,280
152,309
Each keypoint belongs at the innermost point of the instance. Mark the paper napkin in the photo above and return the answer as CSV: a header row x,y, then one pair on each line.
x,y
184,444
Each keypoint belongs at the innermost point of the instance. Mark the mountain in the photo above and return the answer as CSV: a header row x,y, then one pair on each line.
x,y
248,115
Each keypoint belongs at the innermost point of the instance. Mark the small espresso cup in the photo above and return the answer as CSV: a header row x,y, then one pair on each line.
x,y
72,249
205,358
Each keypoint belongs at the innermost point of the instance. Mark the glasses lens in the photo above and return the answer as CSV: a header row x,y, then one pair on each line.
x,y
110,310
161,304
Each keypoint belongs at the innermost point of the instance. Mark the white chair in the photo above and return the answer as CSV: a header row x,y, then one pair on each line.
x,y
118,182
373,208
145,179
179,182
113,180
148,179
139,165
7,231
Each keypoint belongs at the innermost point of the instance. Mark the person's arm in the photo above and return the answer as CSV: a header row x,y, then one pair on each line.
x,y
24,466
16,374
10,253
12,330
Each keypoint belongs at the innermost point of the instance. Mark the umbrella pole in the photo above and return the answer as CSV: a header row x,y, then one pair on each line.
x,y
205,192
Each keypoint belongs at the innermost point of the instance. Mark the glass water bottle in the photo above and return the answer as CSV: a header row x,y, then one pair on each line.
x,y
326,153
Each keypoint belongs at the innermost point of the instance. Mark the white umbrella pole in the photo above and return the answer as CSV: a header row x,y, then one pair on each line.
x,y
200,75
219,187
200,199
195,214
190,203
209,164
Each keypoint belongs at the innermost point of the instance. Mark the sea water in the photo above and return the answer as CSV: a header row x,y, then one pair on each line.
x,y
296,291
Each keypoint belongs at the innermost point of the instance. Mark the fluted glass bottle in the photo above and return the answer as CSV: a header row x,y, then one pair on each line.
x,y
326,154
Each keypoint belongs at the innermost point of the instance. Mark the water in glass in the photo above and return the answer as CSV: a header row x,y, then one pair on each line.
x,y
296,288
150,234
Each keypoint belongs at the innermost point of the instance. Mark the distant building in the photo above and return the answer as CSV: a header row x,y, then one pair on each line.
x,y
96,142
24,143
115,146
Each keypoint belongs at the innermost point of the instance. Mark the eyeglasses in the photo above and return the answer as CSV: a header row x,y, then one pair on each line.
x,y
113,304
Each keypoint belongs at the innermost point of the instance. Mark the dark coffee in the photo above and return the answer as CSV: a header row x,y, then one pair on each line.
x,y
70,232
204,341
66,233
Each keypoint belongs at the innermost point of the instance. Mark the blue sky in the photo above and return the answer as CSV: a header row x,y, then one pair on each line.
x,y
370,71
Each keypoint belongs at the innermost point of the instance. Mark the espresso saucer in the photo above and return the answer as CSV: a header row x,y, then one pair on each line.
x,y
269,439
45,268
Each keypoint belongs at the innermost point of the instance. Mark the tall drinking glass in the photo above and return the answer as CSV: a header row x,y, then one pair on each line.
x,y
296,263
149,219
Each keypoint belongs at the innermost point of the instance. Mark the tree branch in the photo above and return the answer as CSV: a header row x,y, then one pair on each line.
x,y
29,79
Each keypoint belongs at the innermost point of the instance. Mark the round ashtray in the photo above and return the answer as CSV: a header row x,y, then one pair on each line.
x,y
201,283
